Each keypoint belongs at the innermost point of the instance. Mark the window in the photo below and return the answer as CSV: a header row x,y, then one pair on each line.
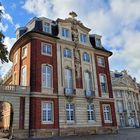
x,y
88,81
107,113
46,27
119,93
101,61
65,32
130,106
24,52
68,79
103,84
47,76
83,38
46,49
86,57
98,43
47,112
91,112
70,112
120,106
67,53
23,76
16,58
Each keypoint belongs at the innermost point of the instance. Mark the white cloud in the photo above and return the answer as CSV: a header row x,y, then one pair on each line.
x,y
3,27
115,20
17,25
9,42
6,15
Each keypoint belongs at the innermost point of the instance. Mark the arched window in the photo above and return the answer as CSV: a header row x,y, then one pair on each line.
x,y
88,81
103,84
47,76
23,76
86,57
67,53
68,79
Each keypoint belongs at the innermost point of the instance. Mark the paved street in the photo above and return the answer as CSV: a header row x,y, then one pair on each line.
x,y
125,134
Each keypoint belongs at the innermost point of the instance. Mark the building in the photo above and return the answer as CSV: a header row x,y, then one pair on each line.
x,y
67,71
127,99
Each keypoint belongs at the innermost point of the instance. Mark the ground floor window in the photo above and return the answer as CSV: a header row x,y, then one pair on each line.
x,y
70,112
107,113
47,112
91,112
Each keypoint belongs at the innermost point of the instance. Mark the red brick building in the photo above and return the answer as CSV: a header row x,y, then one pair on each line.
x,y
68,73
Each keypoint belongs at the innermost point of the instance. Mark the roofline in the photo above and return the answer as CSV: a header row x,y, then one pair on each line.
x,y
26,34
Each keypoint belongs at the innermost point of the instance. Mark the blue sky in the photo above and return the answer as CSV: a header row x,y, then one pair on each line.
x,y
116,20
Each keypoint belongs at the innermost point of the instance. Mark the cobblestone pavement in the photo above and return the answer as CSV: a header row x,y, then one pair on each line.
x,y
124,134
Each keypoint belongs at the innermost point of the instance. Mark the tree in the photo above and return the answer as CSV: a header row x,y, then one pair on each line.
x,y
3,49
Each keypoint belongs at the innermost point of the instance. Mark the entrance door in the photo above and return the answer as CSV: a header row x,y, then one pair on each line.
x,y
132,122
122,121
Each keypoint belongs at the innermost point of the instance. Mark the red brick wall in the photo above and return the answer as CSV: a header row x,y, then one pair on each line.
x,y
16,67
21,62
37,59
104,70
114,122
35,114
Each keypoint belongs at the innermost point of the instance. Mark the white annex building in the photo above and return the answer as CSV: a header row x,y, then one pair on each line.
x,y
127,99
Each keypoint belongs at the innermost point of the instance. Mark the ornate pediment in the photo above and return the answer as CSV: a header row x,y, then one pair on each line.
x,y
72,19
124,81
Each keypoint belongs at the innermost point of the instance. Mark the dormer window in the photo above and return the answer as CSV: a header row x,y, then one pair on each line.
x,y
83,38
65,32
98,42
46,27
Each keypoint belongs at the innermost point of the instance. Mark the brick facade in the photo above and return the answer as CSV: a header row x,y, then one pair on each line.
x,y
79,97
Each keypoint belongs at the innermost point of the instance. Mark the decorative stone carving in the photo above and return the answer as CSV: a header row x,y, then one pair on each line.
x,y
77,63
74,31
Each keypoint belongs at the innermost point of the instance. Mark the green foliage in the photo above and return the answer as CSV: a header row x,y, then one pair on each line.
x,y
3,49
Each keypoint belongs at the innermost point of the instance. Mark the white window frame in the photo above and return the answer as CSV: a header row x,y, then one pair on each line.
x,y
70,82
45,76
70,112
25,76
83,38
67,50
85,57
103,93
106,113
46,27
46,45
89,113
15,78
26,52
88,81
98,43
15,58
52,112
130,106
63,32
100,58
120,105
